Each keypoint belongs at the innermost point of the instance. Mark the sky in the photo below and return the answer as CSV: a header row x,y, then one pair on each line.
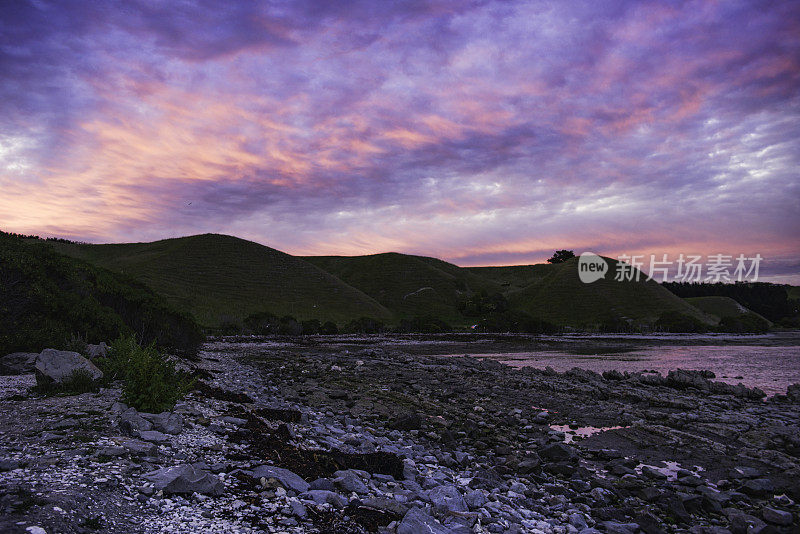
x,y
480,132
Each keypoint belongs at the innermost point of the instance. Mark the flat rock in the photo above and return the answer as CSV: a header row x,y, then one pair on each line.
x,y
386,504
166,422
416,521
132,423
18,363
350,482
185,479
140,448
324,496
448,499
285,478
558,452
777,517
154,436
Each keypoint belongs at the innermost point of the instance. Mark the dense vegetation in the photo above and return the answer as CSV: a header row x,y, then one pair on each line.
x,y
769,300
150,381
47,299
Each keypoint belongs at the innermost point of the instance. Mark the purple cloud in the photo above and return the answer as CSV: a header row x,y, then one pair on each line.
x,y
481,132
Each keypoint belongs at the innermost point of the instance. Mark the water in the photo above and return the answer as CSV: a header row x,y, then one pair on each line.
x,y
771,368
769,361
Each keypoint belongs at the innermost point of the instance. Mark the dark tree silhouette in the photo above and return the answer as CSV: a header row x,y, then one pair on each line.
x,y
560,256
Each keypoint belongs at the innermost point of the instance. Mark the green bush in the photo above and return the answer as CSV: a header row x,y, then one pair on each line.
x,y
311,327
364,325
423,324
151,382
261,323
672,321
329,328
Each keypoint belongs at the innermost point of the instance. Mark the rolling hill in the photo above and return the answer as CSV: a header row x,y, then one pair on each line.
x,y
409,285
219,278
49,300
719,307
513,277
560,297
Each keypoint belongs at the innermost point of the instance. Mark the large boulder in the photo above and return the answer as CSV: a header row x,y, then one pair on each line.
x,y
18,363
59,365
185,479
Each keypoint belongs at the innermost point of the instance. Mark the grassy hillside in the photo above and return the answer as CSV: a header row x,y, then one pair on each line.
x,y
219,278
562,298
513,277
719,307
409,285
793,292
47,299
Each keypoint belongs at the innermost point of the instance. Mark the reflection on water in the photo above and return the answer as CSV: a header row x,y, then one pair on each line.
x,y
570,434
769,368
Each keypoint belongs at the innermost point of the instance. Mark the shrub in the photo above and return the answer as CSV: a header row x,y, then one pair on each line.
x,y
311,327
364,325
329,328
289,326
677,322
261,323
423,325
151,382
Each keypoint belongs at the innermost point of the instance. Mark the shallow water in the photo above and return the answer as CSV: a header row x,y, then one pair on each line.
x,y
769,361
768,367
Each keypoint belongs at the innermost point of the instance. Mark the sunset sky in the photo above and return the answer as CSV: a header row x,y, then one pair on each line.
x,y
480,132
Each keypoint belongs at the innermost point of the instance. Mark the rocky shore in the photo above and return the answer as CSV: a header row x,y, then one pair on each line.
x,y
291,436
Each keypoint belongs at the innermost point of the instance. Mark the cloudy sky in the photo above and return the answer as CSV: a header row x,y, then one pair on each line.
x,y
481,132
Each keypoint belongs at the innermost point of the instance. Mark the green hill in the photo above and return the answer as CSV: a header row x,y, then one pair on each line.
x,y
219,278
719,307
513,277
560,297
48,299
409,285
